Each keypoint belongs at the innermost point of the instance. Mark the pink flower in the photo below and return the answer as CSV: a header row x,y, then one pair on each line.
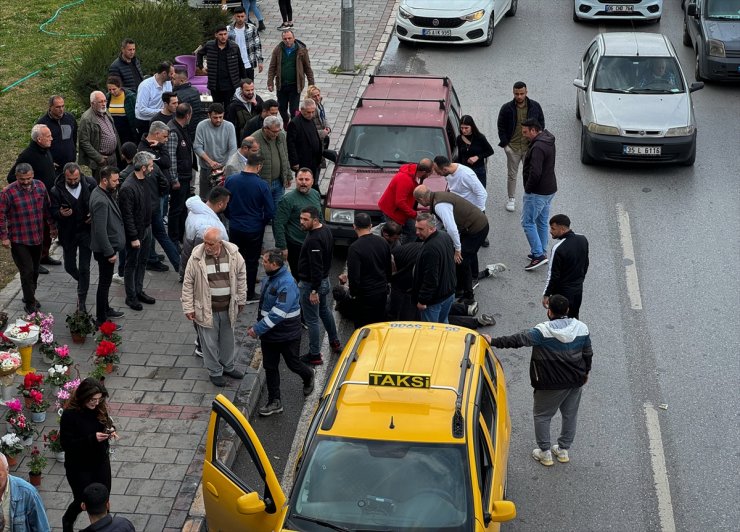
x,y
15,405
62,351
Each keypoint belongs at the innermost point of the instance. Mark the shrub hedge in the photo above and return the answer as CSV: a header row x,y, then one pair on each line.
x,y
161,30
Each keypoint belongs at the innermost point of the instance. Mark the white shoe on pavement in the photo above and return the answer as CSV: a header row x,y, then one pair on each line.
x,y
493,269
560,454
511,204
117,278
543,457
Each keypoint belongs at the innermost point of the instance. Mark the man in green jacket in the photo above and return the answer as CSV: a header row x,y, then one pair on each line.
x,y
97,137
286,226
274,148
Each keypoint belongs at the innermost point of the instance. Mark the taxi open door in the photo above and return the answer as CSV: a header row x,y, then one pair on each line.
x,y
240,489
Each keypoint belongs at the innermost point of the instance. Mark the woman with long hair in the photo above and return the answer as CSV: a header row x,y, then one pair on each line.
x,y
85,430
473,148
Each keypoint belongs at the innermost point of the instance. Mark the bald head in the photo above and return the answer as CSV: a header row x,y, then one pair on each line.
x,y
423,195
212,241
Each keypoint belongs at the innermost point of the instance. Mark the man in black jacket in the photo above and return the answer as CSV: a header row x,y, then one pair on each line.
x,y
180,149
540,185
568,265
244,106
95,502
134,200
69,199
127,66
304,144
510,119
63,127
368,272
225,66
186,93
434,273
559,367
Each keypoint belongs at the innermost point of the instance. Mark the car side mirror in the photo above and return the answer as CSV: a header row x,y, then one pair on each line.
x,y
331,155
692,10
696,86
250,504
502,511
578,83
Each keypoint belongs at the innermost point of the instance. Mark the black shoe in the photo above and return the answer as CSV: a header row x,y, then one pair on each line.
x,y
111,313
261,26
30,309
149,300
486,243
82,307
536,263
134,304
157,267
161,257
51,261
234,374
308,388
43,270
218,381
254,298
312,360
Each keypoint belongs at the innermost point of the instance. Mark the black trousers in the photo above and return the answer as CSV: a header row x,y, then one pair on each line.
x,y
370,309
222,97
105,269
250,247
288,97
27,260
178,212
574,298
286,10
294,251
76,257
467,270
271,353
136,266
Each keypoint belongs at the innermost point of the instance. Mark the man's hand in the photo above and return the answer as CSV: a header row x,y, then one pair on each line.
x,y
342,278
6,243
546,301
152,143
458,257
213,164
421,306
287,183
314,298
135,244
251,333
112,259
270,86
190,316
473,159
260,67
285,254
175,185
487,337
295,167
53,232
65,211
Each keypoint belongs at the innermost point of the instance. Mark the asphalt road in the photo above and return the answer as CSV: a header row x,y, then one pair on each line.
x,y
672,342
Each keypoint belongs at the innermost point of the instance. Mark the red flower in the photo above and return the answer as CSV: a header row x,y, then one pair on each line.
x,y
107,328
105,348
25,328
36,396
32,380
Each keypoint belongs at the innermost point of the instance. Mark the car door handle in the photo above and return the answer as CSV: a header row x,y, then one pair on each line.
x,y
211,488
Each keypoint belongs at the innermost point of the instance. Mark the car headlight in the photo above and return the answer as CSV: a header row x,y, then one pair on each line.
x,y
685,131
341,216
593,127
403,13
716,48
472,17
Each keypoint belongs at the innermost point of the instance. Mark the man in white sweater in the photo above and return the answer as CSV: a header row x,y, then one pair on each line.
x,y
215,142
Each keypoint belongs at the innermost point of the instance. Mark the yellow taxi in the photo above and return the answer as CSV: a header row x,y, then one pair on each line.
x,y
411,433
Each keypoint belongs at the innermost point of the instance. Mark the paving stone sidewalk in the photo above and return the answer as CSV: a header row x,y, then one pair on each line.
x,y
160,394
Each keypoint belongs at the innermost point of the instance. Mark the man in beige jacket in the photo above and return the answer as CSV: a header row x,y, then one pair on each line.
x,y
213,293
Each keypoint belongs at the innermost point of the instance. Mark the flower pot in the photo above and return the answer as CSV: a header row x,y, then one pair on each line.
x,y
27,402
59,457
28,441
38,417
78,338
35,478
12,460
8,392
109,366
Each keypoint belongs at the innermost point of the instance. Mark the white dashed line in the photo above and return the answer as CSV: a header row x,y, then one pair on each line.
x,y
660,474
628,253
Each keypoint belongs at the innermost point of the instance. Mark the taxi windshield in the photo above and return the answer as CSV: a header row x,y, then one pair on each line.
x,y
388,146
380,485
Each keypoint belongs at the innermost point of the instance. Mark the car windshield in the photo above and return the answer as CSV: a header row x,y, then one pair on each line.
x,y
638,75
391,145
726,9
377,485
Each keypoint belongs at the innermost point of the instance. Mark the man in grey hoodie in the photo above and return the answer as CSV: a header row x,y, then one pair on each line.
x,y
559,367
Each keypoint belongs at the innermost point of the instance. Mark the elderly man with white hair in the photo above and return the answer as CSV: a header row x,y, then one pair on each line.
x,y
98,142
24,509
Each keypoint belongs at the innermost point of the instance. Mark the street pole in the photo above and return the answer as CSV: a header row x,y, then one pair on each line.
x,y
347,42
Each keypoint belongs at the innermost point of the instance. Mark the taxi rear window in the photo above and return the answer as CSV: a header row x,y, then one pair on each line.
x,y
385,485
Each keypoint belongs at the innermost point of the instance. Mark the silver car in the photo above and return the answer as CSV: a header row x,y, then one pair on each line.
x,y
634,102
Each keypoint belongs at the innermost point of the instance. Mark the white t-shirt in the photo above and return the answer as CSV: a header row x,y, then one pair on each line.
x,y
241,42
465,183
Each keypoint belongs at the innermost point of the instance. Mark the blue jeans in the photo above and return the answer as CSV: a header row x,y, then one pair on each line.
x,y
278,190
535,222
312,313
160,235
251,5
438,312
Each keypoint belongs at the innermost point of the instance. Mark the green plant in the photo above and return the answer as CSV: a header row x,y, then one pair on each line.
x,y
37,463
11,445
98,372
53,441
80,322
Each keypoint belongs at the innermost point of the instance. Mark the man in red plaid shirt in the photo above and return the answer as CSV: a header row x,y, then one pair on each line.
x,y
24,209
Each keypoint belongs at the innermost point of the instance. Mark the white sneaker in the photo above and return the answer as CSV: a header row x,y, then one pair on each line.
x,y
117,278
510,205
560,454
543,457
493,269
473,308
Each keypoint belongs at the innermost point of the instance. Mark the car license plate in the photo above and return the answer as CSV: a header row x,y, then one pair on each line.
x,y
641,150
618,9
438,33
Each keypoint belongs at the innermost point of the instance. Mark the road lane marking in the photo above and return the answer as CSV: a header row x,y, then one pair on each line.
x,y
660,473
628,254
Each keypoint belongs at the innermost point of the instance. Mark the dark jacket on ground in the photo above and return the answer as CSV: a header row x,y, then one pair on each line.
x,y
134,200
314,263
561,353
507,119
304,144
64,132
70,226
479,146
279,310
434,273
111,523
106,232
86,460
40,160
186,93
251,205
130,73
234,63
368,266
568,265
538,167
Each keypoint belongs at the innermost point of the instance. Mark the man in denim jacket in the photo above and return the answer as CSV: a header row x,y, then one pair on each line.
x,y
22,507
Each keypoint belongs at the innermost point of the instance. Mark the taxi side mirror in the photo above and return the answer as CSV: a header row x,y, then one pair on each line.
x,y
692,10
250,504
578,83
503,511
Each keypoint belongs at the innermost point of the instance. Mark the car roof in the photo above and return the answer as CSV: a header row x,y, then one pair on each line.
x,y
404,101
629,43
392,413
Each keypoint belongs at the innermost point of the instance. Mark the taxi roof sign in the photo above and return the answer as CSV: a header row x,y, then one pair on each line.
x,y
399,380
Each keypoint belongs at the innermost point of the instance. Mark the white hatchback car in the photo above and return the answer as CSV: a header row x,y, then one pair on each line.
x,y
451,21
648,10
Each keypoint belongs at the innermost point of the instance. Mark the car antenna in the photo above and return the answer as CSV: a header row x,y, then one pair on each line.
x,y
391,426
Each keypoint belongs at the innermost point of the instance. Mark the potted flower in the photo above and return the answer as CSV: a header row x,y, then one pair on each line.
x,y
61,356
38,407
80,325
11,446
23,335
31,381
10,361
53,442
64,393
107,331
36,466
57,375
45,323
19,424
107,355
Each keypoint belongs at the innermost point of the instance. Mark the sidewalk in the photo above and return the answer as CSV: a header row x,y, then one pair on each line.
x,y
160,393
